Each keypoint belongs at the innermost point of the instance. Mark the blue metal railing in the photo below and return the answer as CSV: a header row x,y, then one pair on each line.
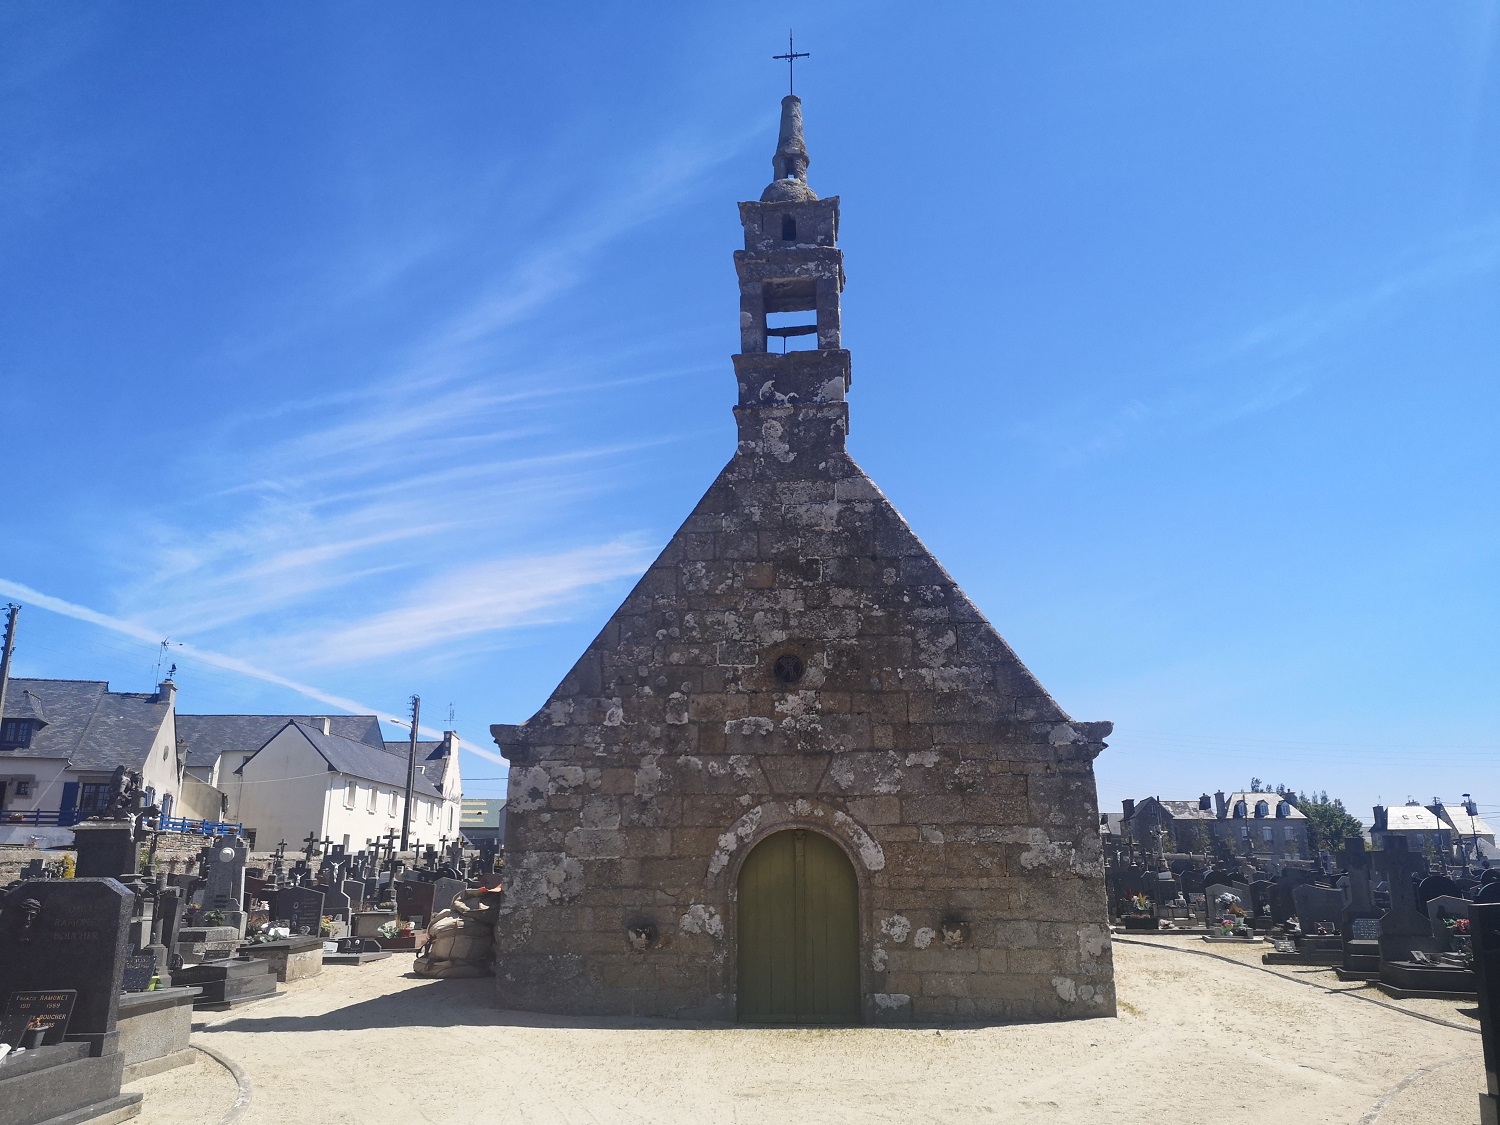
x,y
50,818
196,827
66,818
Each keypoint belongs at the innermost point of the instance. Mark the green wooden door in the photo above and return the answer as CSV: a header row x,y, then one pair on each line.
x,y
798,932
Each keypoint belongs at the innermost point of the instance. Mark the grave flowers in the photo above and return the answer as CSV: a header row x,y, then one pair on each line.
x,y
395,929
267,933
1138,914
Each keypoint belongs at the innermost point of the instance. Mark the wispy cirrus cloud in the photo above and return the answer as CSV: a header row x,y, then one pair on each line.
x,y
1275,361
427,506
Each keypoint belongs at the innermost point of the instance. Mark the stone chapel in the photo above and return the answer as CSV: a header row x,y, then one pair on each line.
x,y
798,777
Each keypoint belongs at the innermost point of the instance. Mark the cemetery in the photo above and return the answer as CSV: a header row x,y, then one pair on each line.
x,y
798,835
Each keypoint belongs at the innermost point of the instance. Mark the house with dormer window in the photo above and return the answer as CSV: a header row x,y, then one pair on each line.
x,y
60,743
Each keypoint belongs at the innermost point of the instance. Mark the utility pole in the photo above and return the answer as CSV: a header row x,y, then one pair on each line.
x,y
10,644
411,772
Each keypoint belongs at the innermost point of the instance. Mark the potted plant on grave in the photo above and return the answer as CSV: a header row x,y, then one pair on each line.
x,y
1461,938
1138,914
327,927
35,1033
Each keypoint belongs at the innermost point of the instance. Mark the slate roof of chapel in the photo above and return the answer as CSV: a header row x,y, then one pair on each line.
x,y
90,726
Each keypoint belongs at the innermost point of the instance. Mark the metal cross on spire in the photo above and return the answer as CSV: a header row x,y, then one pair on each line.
x,y
791,57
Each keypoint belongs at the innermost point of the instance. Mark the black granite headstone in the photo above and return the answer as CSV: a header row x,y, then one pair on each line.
x,y
59,934
1484,922
301,908
414,901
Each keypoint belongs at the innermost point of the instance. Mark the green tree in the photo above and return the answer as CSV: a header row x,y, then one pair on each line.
x,y
1329,824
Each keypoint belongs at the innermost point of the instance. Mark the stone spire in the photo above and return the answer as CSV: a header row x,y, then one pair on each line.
x,y
789,165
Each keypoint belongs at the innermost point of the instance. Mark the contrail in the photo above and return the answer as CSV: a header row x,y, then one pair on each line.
x,y
218,659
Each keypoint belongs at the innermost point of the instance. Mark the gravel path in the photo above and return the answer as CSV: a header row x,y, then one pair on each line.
x,y
1196,1036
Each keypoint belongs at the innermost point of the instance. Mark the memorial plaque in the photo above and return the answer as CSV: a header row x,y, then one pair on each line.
x,y
1364,929
26,1011
139,969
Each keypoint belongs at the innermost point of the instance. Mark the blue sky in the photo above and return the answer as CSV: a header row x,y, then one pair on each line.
x,y
373,349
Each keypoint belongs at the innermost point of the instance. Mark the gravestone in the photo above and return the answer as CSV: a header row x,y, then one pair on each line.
x,y
336,904
1360,922
1318,904
1435,886
414,902
1484,922
1403,928
355,890
60,934
255,891
169,903
301,908
225,888
444,891
1440,907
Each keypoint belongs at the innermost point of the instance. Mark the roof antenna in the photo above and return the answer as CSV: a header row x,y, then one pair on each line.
x,y
11,611
161,658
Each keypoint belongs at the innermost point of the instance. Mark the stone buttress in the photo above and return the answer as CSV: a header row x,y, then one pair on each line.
x,y
797,658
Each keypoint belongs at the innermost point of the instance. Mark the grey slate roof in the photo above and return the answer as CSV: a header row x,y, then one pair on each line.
x,y
87,724
1188,810
361,760
431,759
204,737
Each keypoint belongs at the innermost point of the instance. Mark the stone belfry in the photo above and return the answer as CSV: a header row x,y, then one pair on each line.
x,y
798,777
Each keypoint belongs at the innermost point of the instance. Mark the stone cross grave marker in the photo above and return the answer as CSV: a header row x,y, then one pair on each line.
x,y
1403,928
69,934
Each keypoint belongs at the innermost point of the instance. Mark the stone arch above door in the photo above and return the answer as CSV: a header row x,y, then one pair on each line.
x,y
772,816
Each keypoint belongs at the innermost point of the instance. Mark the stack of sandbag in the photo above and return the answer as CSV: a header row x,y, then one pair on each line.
x,y
461,938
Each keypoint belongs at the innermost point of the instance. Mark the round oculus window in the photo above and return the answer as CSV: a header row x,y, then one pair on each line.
x,y
788,668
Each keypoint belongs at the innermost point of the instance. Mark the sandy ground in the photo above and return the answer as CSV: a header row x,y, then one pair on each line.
x,y
1196,1036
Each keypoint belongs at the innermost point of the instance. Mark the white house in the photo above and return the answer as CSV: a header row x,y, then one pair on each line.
x,y
214,746
308,779
60,743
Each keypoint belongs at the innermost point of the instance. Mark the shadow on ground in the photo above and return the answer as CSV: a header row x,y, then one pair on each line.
x,y
440,1003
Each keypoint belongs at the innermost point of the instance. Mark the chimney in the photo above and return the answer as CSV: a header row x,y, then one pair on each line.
x,y
166,692
1128,807
322,723
1205,803
1219,804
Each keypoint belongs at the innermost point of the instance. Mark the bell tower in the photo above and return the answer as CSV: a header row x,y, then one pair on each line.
x,y
791,263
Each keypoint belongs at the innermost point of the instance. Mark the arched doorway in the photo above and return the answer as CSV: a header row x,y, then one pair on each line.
x,y
798,932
